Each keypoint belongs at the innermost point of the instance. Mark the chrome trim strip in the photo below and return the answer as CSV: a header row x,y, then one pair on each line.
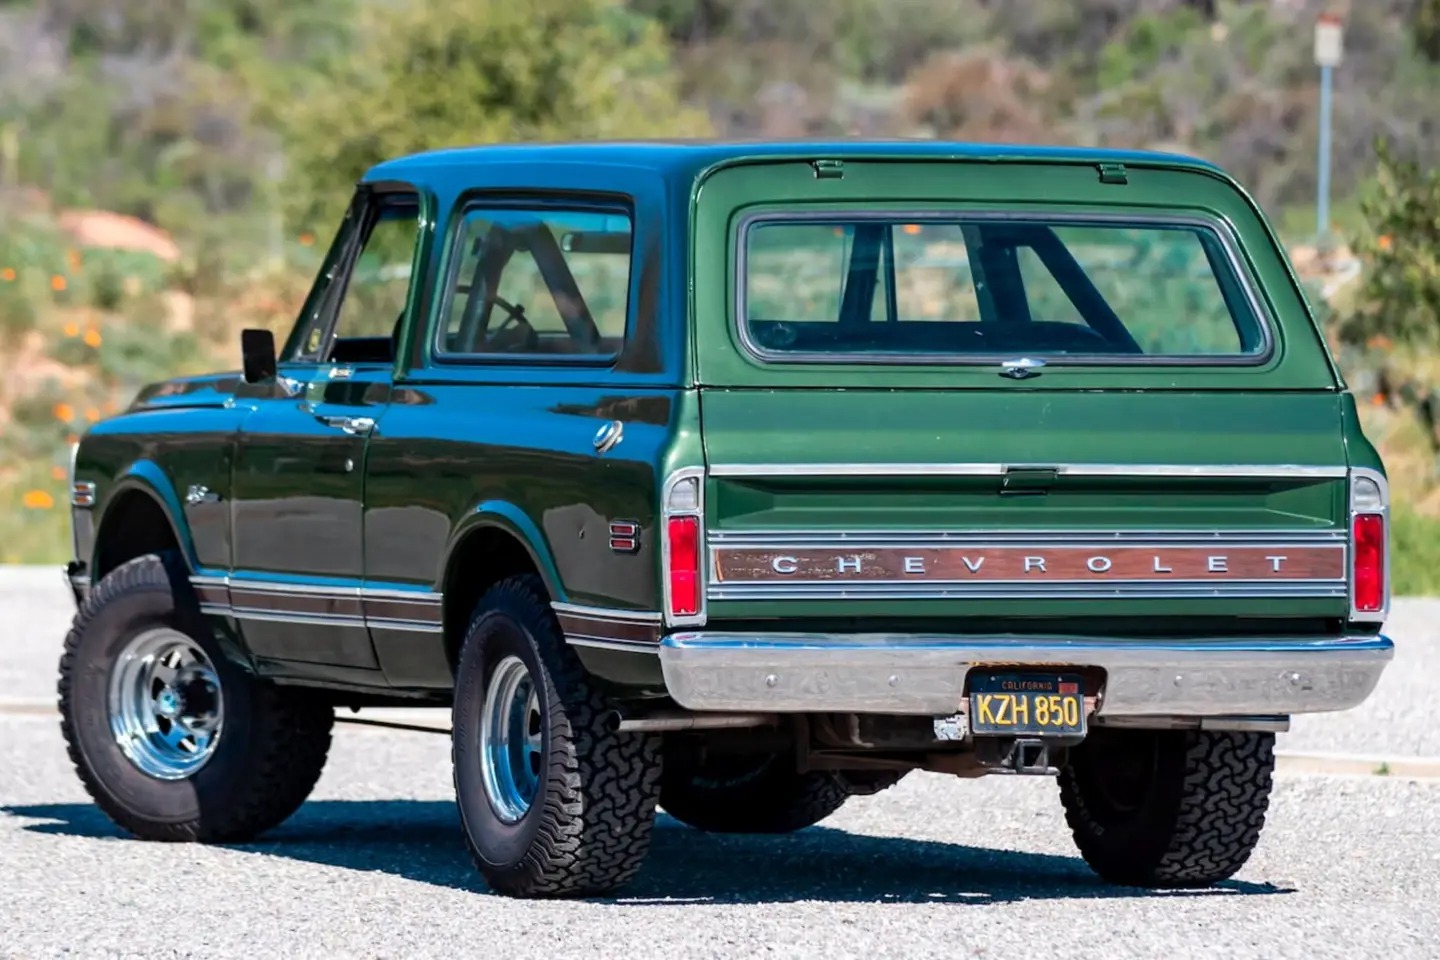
x,y
317,619
1219,227
1256,471
1384,511
254,588
926,674
1046,590
606,613
413,626
610,643
281,589
684,473
422,595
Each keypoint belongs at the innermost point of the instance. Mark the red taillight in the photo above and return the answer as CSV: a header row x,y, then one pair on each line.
x,y
1368,578
683,535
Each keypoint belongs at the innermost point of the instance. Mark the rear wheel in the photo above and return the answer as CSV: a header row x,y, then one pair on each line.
x,y
1167,808
553,802
174,741
745,793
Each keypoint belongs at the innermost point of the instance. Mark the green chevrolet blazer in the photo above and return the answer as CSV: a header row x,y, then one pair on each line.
x,y
741,479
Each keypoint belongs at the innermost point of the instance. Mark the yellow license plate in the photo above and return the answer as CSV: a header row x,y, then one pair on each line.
x,y
1027,704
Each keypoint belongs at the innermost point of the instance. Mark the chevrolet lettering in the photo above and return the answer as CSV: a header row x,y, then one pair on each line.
x,y
738,480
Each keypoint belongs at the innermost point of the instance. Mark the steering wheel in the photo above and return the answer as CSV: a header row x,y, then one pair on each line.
x,y
514,332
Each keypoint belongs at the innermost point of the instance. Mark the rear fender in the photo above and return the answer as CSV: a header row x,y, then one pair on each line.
x,y
506,516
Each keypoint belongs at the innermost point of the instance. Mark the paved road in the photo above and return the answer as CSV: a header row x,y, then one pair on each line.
x,y
372,866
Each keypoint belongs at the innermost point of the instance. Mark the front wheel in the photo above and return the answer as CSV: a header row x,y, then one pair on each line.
x,y
1167,808
172,739
553,802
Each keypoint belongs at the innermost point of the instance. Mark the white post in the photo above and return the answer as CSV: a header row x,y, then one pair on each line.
x,y
1329,48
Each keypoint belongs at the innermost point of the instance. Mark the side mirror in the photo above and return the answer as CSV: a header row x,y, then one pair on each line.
x,y
257,355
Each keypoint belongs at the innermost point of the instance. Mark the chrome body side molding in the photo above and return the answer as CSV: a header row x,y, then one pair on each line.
x,y
412,610
415,610
608,628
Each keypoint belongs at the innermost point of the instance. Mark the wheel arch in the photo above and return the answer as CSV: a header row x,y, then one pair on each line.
x,y
497,540
141,515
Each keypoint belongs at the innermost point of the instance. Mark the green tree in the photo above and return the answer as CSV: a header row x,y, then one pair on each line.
x,y
1425,23
1400,295
453,72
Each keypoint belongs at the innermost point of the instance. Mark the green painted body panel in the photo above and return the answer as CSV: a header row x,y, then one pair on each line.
x,y
520,458
473,448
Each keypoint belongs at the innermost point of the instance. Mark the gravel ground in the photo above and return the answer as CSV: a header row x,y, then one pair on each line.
x,y
373,865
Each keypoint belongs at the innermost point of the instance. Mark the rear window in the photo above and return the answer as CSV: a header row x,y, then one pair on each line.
x,y
931,289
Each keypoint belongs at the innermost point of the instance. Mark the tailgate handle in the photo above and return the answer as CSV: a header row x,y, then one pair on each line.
x,y
1027,481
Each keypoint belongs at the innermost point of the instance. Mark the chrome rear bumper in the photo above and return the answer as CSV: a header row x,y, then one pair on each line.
x,y
910,674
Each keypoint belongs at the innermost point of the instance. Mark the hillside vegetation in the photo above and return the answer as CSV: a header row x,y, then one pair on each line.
x,y
171,171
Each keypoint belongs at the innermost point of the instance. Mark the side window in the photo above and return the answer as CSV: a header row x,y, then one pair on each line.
x,y
546,281
358,316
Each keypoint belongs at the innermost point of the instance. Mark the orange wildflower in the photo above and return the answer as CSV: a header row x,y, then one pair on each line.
x,y
8,274
64,412
911,228
1383,241
92,337
71,329
57,472
57,283
37,500
307,239
92,414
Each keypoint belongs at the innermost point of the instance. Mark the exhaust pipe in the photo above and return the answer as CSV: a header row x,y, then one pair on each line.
x,y
670,721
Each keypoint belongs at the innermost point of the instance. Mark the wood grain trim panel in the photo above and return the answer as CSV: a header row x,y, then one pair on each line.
x,y
1218,563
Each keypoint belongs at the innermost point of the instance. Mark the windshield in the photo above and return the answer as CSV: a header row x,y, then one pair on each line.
x,y
930,289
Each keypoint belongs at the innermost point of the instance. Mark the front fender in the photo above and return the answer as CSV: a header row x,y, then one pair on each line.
x,y
147,477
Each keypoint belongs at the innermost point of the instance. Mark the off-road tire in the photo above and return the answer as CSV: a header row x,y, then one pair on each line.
x,y
1192,812
587,830
271,748
762,793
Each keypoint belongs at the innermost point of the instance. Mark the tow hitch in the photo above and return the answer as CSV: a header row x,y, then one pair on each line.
x,y
1034,756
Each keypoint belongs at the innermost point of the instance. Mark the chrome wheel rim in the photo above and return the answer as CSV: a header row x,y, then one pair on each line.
x,y
165,704
511,740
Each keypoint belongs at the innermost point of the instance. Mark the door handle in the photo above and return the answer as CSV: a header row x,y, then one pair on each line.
x,y
355,426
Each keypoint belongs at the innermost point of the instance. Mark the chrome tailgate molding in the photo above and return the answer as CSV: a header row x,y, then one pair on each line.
x,y
1263,471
